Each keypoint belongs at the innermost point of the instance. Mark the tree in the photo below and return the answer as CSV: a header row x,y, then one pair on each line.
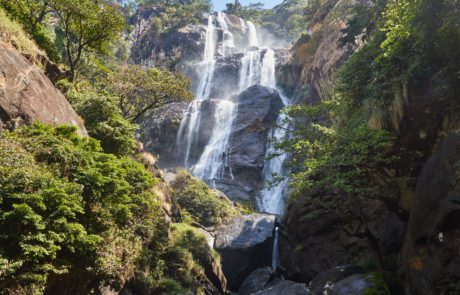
x,y
140,90
104,121
88,25
31,13
234,8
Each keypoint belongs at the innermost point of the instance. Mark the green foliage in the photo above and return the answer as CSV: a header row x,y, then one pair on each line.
x,y
84,27
204,205
87,25
12,33
39,220
104,121
140,90
61,197
347,158
187,255
286,19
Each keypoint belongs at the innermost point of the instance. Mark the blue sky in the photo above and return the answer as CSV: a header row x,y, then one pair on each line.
x,y
220,4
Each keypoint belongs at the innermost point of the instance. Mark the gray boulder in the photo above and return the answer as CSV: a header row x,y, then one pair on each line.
x,y
245,244
258,108
324,280
256,281
27,95
357,284
284,288
158,132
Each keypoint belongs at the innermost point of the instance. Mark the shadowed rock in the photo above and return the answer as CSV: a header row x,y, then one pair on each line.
x,y
245,243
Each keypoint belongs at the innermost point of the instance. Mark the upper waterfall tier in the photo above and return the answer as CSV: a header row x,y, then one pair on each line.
x,y
224,134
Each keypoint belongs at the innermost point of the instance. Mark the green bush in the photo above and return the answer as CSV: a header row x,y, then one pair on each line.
x,y
12,33
104,121
63,202
204,205
187,255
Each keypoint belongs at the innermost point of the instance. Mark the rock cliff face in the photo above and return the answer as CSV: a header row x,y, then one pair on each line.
x,y
158,131
27,95
430,254
258,108
245,243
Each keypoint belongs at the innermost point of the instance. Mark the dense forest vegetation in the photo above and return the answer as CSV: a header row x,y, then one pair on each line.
x,y
88,211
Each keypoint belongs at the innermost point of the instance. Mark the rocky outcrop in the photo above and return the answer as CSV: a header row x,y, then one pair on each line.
x,y
245,244
358,284
285,287
323,281
151,47
158,132
258,108
430,254
358,229
27,95
265,281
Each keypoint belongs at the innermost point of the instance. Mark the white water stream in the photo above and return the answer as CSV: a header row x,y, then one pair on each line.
x,y
257,67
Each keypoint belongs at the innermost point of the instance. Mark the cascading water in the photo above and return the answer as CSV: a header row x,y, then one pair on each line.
x,y
210,165
257,67
211,162
228,42
270,198
188,129
275,251
253,40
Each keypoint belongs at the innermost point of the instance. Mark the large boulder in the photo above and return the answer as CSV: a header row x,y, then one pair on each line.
x,y
27,95
324,280
245,244
358,284
430,257
258,108
256,281
285,287
158,132
319,235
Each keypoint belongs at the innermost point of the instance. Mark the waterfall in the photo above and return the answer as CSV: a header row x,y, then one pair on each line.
x,y
258,66
190,123
253,40
270,198
211,163
275,251
228,43
250,70
267,75
208,62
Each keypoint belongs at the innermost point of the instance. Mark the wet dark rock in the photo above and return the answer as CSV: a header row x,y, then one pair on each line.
x,y
284,288
226,75
357,284
158,132
324,280
430,254
256,281
258,108
166,50
245,244
27,95
316,238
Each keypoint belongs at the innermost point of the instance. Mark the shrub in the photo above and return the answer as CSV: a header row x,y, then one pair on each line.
x,y
12,33
61,197
205,205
